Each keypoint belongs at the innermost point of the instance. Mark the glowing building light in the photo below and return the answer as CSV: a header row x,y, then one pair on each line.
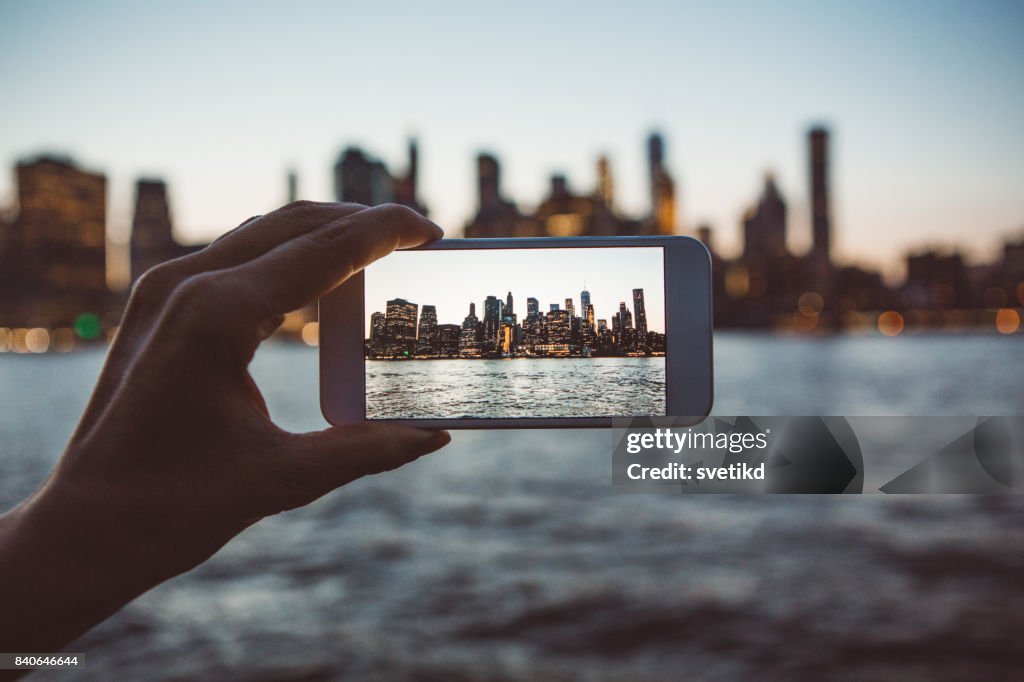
x,y
737,281
805,323
311,333
890,323
810,303
19,345
37,340
87,326
1007,321
63,339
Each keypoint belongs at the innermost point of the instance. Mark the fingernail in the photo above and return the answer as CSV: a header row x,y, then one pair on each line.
x,y
436,439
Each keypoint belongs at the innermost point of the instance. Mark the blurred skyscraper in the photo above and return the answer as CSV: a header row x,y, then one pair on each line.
x,y
605,182
821,218
662,187
495,216
362,179
562,213
56,248
152,240
764,226
407,186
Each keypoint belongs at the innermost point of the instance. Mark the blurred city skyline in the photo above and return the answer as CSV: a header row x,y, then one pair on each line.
x,y
923,100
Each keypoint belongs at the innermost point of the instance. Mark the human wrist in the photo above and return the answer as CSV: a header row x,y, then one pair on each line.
x,y
65,567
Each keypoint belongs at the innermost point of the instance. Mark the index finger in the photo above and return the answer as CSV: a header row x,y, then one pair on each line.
x,y
299,271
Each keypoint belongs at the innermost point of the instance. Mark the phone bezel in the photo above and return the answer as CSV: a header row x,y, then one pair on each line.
x,y
689,383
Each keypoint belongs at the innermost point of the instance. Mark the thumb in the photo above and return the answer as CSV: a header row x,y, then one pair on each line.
x,y
320,461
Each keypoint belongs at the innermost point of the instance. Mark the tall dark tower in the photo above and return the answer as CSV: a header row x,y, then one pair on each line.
x,y
152,241
605,183
821,223
655,152
414,167
407,186
662,187
293,186
640,314
492,323
425,336
488,181
469,337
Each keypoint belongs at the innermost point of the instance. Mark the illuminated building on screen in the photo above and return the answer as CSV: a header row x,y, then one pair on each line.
x,y
492,324
641,319
393,334
558,340
378,328
447,340
426,339
472,334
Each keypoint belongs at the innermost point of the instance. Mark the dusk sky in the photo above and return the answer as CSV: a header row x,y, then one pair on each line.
x,y
925,100
451,280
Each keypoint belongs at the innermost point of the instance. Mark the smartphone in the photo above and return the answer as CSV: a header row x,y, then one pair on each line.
x,y
521,333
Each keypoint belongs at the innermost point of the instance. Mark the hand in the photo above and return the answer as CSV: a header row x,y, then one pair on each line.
x,y
176,453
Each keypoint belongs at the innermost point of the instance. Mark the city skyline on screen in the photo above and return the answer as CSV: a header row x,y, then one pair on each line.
x,y
451,280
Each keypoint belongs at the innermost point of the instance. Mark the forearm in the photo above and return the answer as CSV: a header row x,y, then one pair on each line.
x,y
62,570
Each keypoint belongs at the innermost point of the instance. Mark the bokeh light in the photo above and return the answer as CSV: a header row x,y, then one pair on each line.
x,y
737,281
37,340
18,344
810,303
1007,321
63,339
890,323
87,326
311,333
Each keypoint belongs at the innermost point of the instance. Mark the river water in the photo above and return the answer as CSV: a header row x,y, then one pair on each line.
x,y
507,556
523,387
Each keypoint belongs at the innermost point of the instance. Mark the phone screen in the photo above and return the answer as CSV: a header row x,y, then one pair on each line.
x,y
516,333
